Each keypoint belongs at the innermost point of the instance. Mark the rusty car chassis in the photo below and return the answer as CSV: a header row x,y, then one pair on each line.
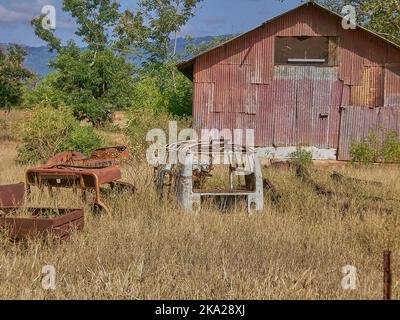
x,y
73,170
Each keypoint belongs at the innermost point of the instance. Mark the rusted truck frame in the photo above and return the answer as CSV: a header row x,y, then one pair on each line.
x,y
186,178
75,177
74,171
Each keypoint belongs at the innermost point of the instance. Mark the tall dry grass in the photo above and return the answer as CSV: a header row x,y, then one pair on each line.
x,y
150,249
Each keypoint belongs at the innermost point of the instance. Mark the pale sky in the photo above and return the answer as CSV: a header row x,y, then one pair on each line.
x,y
213,17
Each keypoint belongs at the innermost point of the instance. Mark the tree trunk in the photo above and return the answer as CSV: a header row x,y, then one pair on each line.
x,y
175,48
174,58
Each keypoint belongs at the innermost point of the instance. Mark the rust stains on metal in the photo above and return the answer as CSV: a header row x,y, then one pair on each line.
x,y
264,106
201,158
323,21
306,106
100,157
392,85
387,275
272,191
370,92
67,157
261,56
68,176
117,153
73,170
35,221
351,59
232,88
306,21
41,221
358,122
12,195
240,85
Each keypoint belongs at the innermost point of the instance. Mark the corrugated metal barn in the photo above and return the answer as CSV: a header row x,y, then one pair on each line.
x,y
299,79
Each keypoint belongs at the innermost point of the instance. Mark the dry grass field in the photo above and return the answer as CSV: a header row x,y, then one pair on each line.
x,y
149,249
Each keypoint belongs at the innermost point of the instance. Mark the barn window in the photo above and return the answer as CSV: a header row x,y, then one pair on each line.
x,y
305,50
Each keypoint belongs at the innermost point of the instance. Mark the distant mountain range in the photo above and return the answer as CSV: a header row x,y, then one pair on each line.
x,y
38,58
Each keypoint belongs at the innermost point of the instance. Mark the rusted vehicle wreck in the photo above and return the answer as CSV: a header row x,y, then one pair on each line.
x,y
74,171
24,222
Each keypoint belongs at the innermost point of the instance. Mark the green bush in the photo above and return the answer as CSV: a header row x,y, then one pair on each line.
x,y
148,96
161,88
374,149
43,92
140,122
391,148
93,85
302,156
364,152
83,139
302,161
49,131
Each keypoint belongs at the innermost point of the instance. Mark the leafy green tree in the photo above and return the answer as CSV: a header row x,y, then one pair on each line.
x,y
98,79
165,20
384,18
381,16
158,92
13,76
160,88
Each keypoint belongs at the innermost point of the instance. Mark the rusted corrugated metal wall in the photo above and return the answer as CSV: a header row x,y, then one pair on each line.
x,y
370,92
358,122
392,86
303,108
238,85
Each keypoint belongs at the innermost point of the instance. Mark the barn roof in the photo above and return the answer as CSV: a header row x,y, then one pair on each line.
x,y
186,67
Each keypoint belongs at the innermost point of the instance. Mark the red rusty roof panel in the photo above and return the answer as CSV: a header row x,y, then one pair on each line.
x,y
306,21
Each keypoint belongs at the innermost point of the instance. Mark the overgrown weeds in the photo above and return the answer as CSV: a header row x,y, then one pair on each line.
x,y
49,131
144,122
379,146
